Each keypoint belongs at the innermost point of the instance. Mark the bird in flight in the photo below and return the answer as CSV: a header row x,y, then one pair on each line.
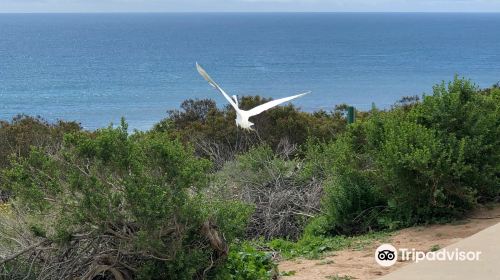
x,y
242,116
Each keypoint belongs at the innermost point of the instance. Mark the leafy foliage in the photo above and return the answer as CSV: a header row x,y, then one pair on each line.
x,y
23,132
174,202
412,164
314,246
245,262
138,195
214,133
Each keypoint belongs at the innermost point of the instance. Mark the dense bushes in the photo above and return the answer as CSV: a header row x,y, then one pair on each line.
x,y
17,136
148,206
215,136
467,121
109,202
430,161
351,201
23,132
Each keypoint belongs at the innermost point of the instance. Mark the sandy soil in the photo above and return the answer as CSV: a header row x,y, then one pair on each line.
x,y
361,264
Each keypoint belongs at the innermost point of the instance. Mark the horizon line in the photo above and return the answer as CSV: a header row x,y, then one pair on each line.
x,y
251,12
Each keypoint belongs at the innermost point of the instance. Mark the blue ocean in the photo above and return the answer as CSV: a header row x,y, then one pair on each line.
x,y
96,68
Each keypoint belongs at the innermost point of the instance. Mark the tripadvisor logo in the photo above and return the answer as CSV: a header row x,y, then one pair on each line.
x,y
387,255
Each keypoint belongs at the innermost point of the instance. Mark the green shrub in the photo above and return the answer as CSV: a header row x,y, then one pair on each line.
x,y
23,132
414,169
214,133
428,161
135,199
468,123
245,262
351,200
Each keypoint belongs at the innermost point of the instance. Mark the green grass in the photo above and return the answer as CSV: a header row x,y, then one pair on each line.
x,y
316,247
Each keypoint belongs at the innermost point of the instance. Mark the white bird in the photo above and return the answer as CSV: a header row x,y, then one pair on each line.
x,y
242,116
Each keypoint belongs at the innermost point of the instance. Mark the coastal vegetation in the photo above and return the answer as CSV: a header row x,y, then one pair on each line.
x,y
196,198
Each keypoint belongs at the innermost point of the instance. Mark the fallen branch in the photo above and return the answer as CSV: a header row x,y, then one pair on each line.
x,y
29,248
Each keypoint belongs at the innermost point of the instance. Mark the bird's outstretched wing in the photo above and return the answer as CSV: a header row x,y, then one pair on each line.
x,y
266,106
205,75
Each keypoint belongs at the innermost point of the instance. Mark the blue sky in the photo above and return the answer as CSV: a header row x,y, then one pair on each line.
x,y
249,5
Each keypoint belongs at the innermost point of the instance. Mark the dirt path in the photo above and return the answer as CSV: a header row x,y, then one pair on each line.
x,y
361,264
